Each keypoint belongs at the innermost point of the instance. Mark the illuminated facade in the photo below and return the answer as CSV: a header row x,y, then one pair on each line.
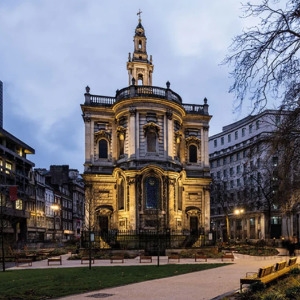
x,y
146,156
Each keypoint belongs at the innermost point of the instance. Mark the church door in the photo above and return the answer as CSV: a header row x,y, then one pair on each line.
x,y
103,224
194,225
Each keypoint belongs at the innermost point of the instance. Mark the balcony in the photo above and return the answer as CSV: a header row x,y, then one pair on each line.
x,y
134,91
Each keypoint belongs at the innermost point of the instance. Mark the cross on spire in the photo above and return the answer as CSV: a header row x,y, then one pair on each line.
x,y
139,14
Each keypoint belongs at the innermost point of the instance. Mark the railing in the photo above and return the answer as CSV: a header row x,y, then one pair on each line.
x,y
195,109
145,92
101,100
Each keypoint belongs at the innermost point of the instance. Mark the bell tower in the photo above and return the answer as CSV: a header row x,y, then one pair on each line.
x,y
139,68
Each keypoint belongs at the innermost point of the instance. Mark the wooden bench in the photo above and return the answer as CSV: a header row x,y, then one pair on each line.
x,y
54,259
87,258
20,260
227,255
174,256
119,257
145,258
200,255
269,273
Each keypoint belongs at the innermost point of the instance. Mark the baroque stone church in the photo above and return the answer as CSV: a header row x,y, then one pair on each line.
x,y
146,158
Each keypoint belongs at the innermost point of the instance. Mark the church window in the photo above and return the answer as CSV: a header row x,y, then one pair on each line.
x,y
180,192
152,189
103,147
140,44
151,141
192,154
121,194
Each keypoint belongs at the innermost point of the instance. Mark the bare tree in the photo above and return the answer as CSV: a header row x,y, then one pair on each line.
x,y
221,200
286,142
89,218
265,57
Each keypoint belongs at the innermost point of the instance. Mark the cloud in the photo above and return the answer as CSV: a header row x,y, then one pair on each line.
x,y
51,49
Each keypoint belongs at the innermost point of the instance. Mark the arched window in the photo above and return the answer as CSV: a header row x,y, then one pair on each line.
x,y
103,149
192,154
140,79
121,194
152,192
151,141
140,44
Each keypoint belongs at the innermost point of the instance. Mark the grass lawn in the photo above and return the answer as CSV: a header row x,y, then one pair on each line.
x,y
53,283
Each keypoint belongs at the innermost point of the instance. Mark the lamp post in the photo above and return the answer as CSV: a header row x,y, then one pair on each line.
x,y
55,207
238,212
158,232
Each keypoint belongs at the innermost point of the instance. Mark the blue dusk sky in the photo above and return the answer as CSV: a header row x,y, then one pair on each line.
x,y
52,49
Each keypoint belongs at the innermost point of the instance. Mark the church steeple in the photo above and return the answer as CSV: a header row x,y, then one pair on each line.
x,y
138,66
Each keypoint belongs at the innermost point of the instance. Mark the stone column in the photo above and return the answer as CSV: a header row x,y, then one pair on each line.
x,y
89,139
132,131
133,205
169,135
204,147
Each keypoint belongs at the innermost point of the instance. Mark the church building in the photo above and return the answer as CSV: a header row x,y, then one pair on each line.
x,y
146,166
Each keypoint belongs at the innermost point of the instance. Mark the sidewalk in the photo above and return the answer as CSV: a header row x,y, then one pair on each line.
x,y
203,285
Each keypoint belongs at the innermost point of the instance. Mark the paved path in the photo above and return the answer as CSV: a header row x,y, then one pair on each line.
x,y
203,285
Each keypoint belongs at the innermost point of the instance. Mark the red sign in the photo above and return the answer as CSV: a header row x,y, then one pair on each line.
x,y
13,193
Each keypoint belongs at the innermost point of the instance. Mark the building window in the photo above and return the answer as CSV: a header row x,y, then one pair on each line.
x,y
250,128
224,161
243,132
103,149
192,154
19,204
276,220
215,143
236,135
222,140
152,189
257,124
229,138
8,167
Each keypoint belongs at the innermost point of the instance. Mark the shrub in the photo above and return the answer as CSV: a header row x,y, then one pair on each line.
x,y
295,271
273,296
292,292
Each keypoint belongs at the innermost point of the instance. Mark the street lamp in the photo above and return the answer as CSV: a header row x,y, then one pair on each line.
x,y
238,212
55,207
